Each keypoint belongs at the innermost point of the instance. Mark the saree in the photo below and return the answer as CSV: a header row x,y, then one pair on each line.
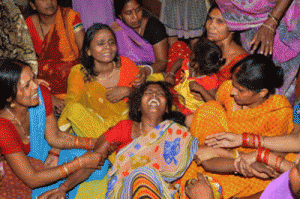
x,y
132,45
167,150
250,15
58,52
272,118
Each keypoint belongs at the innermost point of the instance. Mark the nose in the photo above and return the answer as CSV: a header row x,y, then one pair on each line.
x,y
233,91
34,85
134,15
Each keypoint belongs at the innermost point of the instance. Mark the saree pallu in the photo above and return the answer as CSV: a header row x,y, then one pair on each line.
x,y
272,118
250,15
167,150
58,52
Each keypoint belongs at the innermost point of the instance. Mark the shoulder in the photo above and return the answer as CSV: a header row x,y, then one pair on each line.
x,y
277,102
224,90
127,64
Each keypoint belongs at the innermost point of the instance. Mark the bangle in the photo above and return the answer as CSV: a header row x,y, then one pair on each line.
x,y
80,162
63,185
253,140
274,18
259,141
278,163
65,169
259,153
150,67
236,154
244,135
266,156
62,172
53,153
269,27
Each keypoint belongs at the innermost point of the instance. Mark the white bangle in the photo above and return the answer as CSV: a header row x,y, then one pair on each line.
x,y
151,69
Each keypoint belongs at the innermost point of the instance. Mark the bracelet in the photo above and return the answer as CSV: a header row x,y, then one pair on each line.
x,y
244,135
62,172
269,27
259,141
65,169
53,153
253,141
266,156
278,163
274,18
259,153
151,69
236,154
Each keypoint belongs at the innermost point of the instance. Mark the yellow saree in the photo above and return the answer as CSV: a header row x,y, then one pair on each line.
x,y
273,117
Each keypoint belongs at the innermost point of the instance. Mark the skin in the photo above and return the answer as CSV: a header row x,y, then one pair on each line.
x,y
43,21
103,48
19,162
132,15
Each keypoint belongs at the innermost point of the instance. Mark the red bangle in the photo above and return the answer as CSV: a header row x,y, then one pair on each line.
x,y
253,140
245,135
53,153
266,157
259,140
259,152
277,164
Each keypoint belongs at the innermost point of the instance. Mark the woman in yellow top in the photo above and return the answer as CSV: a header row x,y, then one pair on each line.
x,y
246,103
98,89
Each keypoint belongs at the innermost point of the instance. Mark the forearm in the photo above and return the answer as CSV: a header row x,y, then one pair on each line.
x,y
77,177
206,95
254,196
280,8
176,66
286,143
219,165
159,66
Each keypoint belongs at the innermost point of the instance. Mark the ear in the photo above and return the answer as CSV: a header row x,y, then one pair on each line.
x,y
32,5
263,93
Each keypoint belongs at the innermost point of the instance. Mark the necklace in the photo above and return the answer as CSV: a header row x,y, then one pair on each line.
x,y
16,119
109,75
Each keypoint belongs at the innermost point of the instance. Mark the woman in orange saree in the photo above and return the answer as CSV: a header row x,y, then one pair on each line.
x,y
246,103
57,35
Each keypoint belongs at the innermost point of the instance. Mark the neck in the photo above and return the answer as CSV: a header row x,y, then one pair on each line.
x,y
46,20
149,123
225,44
106,68
18,112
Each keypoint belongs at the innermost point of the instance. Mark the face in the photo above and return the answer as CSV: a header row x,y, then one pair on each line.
x,y
103,47
244,96
27,93
216,26
154,100
132,14
45,7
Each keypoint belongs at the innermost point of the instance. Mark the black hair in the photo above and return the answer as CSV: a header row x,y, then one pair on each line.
x,y
86,60
136,99
10,72
208,56
236,34
120,4
257,72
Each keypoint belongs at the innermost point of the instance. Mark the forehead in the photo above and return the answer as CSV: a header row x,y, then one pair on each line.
x,y
216,13
154,87
26,75
131,5
103,34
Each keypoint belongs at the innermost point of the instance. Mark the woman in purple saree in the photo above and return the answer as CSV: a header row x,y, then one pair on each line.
x,y
270,27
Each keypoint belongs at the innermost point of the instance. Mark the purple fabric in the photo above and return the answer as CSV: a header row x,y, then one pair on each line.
x,y
132,45
278,188
94,11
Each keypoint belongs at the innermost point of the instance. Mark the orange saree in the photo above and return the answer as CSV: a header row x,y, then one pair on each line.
x,y
58,52
271,118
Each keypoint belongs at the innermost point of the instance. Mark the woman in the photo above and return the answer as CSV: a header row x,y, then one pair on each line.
x,y
57,34
26,112
245,104
166,148
270,28
141,38
98,88
216,31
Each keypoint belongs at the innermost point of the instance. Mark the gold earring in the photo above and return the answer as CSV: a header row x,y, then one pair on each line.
x,y
12,105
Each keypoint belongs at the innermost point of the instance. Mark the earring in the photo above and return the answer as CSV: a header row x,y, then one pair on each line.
x,y
12,105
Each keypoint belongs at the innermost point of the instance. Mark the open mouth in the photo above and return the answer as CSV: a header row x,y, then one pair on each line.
x,y
153,102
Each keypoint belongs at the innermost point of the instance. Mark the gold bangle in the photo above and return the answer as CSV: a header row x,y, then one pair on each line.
x,y
274,18
269,27
65,169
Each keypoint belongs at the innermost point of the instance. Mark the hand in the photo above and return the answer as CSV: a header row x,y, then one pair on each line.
x,y
224,140
93,160
205,153
51,161
139,79
265,37
44,83
194,88
199,188
263,171
58,104
170,79
117,93
53,194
